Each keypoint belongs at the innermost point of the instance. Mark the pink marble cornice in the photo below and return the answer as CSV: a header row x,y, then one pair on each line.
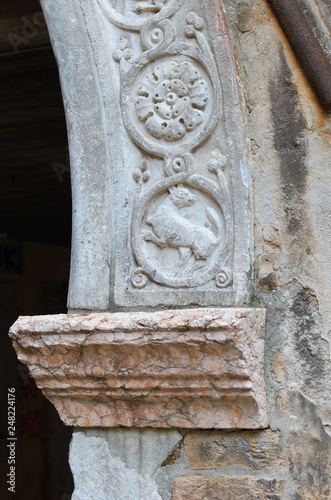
x,y
192,368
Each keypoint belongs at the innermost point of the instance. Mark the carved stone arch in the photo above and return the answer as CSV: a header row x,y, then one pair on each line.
x,y
128,154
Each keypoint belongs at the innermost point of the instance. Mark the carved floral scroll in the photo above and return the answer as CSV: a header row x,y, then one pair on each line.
x,y
181,177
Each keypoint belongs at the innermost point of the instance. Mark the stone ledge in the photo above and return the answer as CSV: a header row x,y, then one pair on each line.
x,y
192,368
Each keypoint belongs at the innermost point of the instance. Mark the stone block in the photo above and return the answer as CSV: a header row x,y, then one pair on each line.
x,y
196,487
221,450
193,368
119,464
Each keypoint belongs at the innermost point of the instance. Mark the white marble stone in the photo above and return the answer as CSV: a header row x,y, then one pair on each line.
x,y
90,159
119,464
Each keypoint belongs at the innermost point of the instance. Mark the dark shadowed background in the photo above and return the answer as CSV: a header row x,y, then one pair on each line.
x,y
35,232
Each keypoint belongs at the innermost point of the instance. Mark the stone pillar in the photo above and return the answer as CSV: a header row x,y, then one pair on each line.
x,y
158,336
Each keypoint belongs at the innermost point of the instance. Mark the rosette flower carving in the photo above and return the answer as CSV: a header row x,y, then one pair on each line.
x,y
172,100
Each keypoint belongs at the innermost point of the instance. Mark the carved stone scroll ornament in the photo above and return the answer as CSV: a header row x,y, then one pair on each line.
x,y
182,225
164,8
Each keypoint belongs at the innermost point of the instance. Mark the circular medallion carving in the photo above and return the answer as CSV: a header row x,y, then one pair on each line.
x,y
181,233
169,103
172,99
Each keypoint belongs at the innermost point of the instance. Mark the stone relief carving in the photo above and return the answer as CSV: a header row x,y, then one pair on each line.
x,y
182,231
123,51
182,225
148,6
132,16
172,99
141,175
169,104
171,229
